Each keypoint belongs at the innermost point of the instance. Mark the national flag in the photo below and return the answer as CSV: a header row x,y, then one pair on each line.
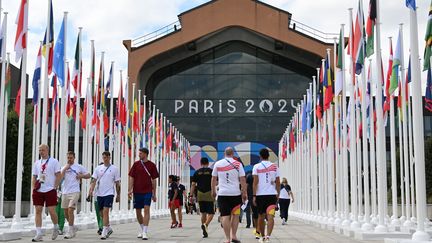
x,y
411,4
2,37
408,75
36,77
319,96
59,56
428,39
21,33
339,65
394,79
8,83
370,26
386,107
77,71
135,116
69,104
359,41
428,94
50,40
303,118
327,83
108,85
309,108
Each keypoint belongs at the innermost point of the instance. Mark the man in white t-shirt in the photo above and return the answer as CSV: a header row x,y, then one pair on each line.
x,y
45,181
229,174
72,174
266,187
104,178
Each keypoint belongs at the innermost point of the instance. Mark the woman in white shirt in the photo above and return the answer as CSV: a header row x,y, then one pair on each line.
x,y
285,198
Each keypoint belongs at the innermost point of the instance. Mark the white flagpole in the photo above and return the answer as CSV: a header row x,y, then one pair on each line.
x,y
53,123
418,129
144,123
395,218
411,156
101,119
374,218
111,114
339,203
138,134
381,156
64,127
330,159
78,104
314,151
3,111
16,222
358,154
407,222
45,87
401,169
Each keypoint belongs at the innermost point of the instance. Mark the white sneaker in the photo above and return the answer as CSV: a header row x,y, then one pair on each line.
x,y
267,239
144,236
37,238
261,240
139,235
55,233
283,221
104,234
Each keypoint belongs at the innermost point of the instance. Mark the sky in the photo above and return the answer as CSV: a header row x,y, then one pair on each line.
x,y
109,22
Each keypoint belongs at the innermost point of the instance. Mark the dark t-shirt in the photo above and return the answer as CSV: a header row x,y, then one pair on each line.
x,y
181,189
202,177
249,182
142,179
172,188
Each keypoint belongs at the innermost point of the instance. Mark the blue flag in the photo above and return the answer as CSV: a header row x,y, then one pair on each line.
x,y
411,4
58,61
36,77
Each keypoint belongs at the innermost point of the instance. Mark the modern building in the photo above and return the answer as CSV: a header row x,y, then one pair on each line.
x,y
226,73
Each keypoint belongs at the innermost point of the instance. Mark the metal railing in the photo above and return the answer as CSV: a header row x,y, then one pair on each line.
x,y
176,26
312,32
168,29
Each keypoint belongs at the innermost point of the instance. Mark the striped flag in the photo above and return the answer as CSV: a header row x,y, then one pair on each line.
x,y
339,65
36,77
50,41
386,107
77,66
358,52
370,26
394,79
428,39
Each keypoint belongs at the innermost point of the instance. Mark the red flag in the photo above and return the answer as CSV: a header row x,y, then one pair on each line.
x,y
17,102
20,37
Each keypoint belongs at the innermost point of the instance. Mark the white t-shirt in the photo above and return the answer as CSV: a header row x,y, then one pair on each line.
x,y
284,193
70,183
228,174
267,173
105,180
45,170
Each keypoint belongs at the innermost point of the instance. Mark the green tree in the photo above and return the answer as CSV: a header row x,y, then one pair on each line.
x,y
11,154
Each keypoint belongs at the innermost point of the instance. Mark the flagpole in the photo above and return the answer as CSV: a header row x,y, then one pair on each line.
x,y
3,110
16,222
64,127
45,92
407,222
395,219
418,129
111,88
381,156
374,218
78,100
401,169
138,135
410,154
53,122
339,203
314,151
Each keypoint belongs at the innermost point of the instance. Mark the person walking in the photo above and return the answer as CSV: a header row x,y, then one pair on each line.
x,y
72,174
105,177
45,181
173,202
181,196
142,186
201,181
266,187
285,198
229,175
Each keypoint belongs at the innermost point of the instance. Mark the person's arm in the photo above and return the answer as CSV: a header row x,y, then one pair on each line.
x,y
175,193
214,183
277,187
63,171
243,188
192,190
154,190
130,189
292,197
57,180
92,186
254,188
117,184
83,174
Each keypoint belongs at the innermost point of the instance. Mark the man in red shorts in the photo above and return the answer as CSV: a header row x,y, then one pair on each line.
x,y
142,186
45,181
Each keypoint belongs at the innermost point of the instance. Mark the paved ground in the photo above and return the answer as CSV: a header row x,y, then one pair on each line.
x,y
159,231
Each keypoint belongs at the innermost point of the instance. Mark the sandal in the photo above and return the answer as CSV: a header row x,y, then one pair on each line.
x,y
235,241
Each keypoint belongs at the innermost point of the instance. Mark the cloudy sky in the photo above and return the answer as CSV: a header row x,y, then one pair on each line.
x,y
109,22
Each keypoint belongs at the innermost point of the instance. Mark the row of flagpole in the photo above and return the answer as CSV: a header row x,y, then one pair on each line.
x,y
131,123
343,155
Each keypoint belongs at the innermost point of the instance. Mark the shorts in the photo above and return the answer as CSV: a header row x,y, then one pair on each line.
x,y
175,203
105,201
206,207
229,205
266,204
140,200
47,199
70,200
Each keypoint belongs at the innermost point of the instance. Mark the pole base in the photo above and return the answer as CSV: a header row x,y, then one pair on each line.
x,y
420,236
381,229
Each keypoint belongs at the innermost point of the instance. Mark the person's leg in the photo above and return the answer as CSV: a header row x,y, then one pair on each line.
x,y
260,224
139,216
226,223
71,216
105,216
234,226
146,218
287,208
173,216
180,215
203,217
66,214
38,216
248,215
270,224
53,214
209,219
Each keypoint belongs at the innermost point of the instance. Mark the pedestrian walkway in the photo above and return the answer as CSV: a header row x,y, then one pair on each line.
x,y
159,231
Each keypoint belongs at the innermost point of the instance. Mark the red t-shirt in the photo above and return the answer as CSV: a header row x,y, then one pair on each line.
x,y
142,179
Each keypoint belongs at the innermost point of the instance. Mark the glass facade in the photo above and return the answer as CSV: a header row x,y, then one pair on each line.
x,y
233,92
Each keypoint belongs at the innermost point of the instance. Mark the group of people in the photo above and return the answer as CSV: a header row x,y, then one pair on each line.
x,y
261,192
